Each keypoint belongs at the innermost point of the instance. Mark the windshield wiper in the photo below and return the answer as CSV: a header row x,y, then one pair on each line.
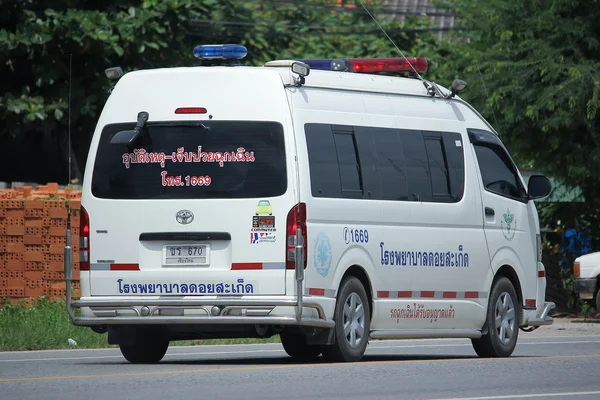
x,y
129,137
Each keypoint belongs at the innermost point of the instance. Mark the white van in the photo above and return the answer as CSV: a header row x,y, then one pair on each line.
x,y
314,199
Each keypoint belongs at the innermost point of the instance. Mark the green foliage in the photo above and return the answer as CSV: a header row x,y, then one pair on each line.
x,y
532,69
38,38
46,325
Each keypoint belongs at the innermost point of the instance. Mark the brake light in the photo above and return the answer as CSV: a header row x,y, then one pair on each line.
x,y
190,110
576,270
84,240
291,230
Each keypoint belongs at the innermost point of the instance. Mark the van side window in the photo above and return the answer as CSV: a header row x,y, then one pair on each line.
x,y
348,163
385,163
455,162
324,170
440,185
417,166
497,172
390,163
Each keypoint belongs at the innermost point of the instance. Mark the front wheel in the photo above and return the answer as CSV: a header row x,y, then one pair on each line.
x,y
352,323
503,319
146,349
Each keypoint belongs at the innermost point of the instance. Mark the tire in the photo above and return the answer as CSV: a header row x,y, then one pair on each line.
x,y
503,320
147,348
296,347
352,308
597,303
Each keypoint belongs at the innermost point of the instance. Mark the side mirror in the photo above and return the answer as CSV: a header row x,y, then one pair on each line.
x,y
539,186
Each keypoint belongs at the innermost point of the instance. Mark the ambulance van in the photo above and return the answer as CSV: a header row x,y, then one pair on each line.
x,y
327,201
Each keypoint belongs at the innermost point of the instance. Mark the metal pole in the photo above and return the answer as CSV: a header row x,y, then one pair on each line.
x,y
299,260
68,266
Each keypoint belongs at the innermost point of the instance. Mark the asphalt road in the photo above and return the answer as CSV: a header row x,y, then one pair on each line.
x,y
552,366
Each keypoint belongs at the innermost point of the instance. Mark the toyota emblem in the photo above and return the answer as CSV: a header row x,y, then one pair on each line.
x,y
184,217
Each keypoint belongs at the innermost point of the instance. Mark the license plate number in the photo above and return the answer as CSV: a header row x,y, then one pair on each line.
x,y
186,254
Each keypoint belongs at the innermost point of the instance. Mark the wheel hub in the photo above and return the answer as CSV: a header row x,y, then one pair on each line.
x,y
354,320
505,318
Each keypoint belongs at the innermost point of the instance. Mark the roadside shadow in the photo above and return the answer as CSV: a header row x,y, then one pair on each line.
x,y
286,360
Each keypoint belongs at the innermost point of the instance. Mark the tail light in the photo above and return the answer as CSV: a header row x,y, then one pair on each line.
x,y
84,240
576,270
298,212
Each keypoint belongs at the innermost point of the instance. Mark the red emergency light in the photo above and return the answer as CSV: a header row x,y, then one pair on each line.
x,y
370,65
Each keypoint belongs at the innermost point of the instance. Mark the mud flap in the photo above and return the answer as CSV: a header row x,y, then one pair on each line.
x,y
320,336
124,335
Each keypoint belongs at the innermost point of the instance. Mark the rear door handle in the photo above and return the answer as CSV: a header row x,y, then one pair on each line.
x,y
489,212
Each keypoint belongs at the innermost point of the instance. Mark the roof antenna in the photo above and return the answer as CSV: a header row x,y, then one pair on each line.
x,y
69,116
431,89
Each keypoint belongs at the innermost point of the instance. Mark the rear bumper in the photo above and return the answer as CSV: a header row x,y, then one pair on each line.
x,y
585,287
213,310
201,310
541,316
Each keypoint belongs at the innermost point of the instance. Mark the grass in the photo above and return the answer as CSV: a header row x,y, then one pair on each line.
x,y
46,325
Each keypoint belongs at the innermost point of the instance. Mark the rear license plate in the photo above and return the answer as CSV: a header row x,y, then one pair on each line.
x,y
186,254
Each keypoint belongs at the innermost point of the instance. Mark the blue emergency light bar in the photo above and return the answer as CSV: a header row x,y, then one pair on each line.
x,y
370,65
220,51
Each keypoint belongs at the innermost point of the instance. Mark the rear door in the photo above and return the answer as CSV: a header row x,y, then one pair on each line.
x,y
190,209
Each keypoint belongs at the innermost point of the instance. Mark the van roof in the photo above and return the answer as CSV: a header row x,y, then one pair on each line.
x,y
269,77
317,78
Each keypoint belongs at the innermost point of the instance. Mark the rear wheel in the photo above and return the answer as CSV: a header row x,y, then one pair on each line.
x,y
296,347
148,348
598,300
502,320
352,323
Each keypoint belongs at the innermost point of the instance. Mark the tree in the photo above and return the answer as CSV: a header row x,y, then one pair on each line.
x,y
38,37
532,69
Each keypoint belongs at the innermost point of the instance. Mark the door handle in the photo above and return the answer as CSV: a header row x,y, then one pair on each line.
x,y
489,212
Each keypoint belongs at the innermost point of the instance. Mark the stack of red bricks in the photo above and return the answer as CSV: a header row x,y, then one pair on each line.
x,y
32,242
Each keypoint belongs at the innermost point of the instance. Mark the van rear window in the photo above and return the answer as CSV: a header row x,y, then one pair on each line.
x,y
212,159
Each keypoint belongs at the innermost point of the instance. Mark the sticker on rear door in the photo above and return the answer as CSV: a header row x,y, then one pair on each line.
x,y
262,237
263,223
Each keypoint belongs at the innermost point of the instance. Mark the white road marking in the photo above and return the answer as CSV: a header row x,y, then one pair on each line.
x,y
522,396
279,350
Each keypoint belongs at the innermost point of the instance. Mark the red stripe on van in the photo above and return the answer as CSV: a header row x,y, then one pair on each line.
x,y
427,294
124,267
449,295
383,293
471,295
404,294
316,292
240,266
541,274
530,302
